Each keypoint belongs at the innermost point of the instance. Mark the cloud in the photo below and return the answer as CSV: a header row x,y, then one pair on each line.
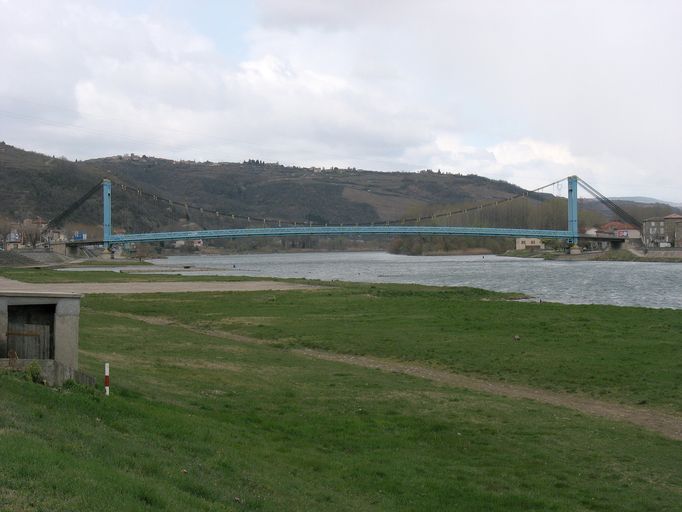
x,y
526,91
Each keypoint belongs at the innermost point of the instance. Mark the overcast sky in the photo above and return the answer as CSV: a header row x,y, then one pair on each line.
x,y
527,91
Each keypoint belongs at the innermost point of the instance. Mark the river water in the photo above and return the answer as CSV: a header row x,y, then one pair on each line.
x,y
657,285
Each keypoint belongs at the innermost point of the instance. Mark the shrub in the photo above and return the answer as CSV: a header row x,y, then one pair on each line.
x,y
33,372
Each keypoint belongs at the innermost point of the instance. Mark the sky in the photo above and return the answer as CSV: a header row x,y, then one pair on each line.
x,y
527,91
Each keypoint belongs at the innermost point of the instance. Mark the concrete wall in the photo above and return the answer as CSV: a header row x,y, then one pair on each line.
x,y
66,324
673,252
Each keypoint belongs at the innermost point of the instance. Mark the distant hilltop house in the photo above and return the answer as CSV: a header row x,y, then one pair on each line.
x,y
532,244
662,232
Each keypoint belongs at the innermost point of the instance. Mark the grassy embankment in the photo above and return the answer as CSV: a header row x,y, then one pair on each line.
x,y
203,422
623,255
612,255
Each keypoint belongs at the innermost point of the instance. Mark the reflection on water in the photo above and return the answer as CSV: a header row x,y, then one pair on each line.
x,y
573,282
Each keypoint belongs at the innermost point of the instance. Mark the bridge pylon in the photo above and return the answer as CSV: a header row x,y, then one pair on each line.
x,y
106,212
572,210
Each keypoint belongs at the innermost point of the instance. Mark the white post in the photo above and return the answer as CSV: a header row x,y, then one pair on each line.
x,y
106,379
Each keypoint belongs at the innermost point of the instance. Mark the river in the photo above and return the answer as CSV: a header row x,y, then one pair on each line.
x,y
656,285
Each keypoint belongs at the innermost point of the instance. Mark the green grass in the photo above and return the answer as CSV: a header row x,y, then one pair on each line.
x,y
43,275
624,255
631,355
196,421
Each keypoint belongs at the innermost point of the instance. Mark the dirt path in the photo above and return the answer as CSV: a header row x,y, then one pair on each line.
x,y
150,287
668,425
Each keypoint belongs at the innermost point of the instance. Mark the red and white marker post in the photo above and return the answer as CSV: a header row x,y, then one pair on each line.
x,y
106,379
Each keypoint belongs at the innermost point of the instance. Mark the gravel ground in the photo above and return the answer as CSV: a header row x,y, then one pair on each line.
x,y
14,259
7,285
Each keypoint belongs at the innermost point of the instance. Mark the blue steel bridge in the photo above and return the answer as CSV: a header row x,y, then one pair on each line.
x,y
386,228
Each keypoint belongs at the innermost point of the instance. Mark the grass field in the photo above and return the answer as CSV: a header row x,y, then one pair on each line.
x,y
633,355
203,422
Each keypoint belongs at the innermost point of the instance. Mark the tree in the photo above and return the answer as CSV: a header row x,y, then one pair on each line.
x,y
31,234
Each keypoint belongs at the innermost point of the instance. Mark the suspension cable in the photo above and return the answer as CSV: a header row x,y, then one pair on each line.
x,y
624,215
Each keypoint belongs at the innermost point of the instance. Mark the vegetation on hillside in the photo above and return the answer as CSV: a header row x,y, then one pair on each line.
x,y
38,185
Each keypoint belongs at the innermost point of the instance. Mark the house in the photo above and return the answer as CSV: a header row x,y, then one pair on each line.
x,y
532,244
14,240
56,236
41,327
619,229
662,232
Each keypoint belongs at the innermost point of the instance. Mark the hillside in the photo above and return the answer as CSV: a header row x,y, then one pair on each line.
x,y
41,185
337,195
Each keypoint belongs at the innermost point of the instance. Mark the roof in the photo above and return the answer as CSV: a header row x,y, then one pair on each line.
x,y
616,225
670,216
40,295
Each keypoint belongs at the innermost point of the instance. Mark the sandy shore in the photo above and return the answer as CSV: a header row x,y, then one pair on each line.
x,y
7,285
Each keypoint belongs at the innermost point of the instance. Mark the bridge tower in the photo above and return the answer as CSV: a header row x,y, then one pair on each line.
x,y
106,211
572,210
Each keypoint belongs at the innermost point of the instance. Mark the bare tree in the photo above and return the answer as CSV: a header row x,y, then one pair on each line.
x,y
31,234
5,228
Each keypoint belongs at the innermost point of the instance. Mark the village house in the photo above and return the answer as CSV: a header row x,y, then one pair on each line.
x,y
619,229
533,244
662,232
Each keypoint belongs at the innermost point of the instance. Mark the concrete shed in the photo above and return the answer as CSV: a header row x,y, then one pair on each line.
x,y
41,327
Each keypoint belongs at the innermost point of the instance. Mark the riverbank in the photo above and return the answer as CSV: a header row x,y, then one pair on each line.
x,y
353,396
575,282
609,255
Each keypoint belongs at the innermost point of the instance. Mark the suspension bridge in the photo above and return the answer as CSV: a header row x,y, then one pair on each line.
x,y
423,226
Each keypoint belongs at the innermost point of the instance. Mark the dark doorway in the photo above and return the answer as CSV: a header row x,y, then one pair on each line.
x,y
30,332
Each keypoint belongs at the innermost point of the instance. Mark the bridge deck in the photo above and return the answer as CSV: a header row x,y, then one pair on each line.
x,y
339,230
347,230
